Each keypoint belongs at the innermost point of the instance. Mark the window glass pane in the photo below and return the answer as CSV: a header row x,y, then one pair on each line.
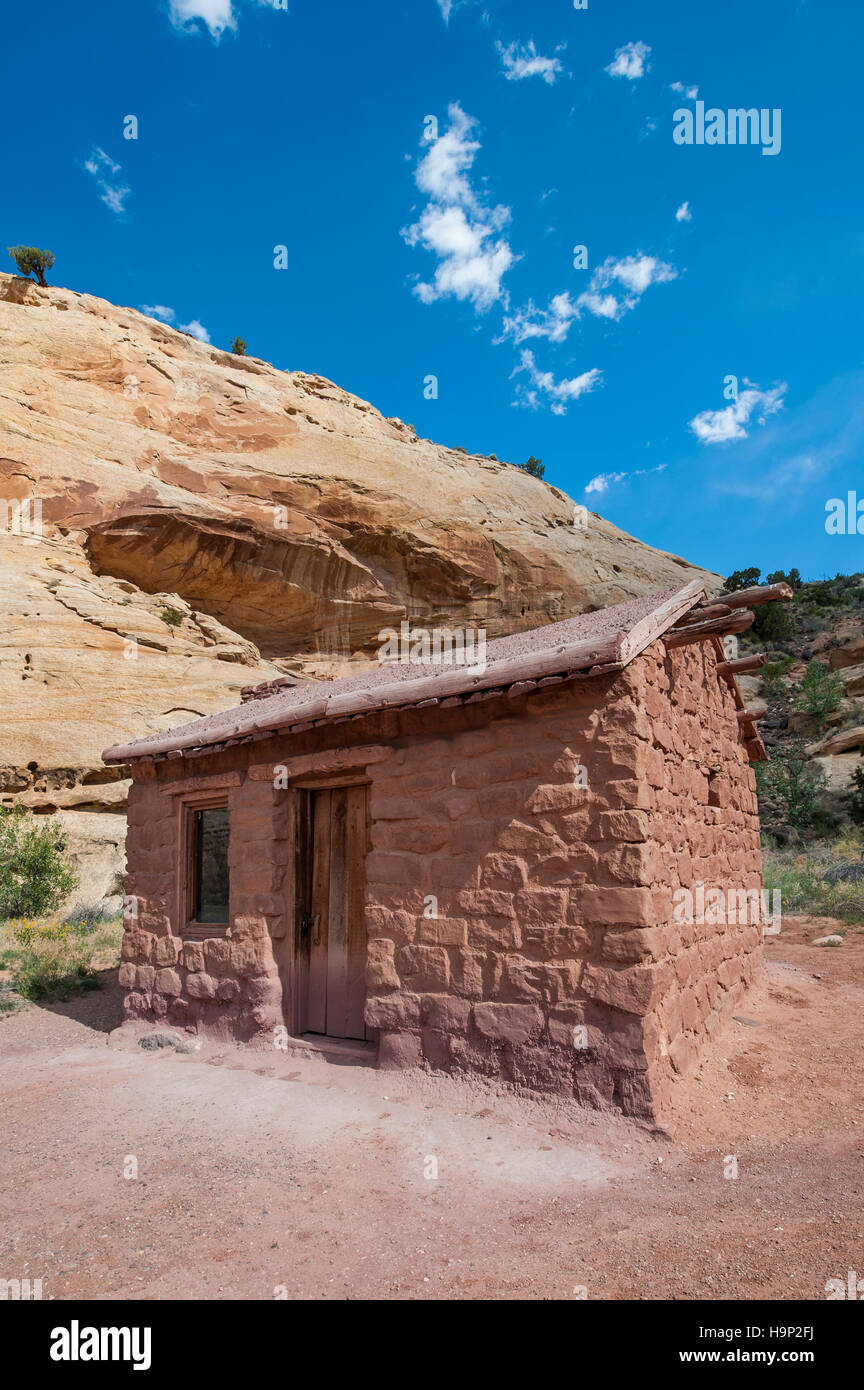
x,y
211,888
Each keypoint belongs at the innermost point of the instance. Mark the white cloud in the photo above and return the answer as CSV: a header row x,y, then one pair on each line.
x,y
159,311
552,323
111,190
630,61
523,60
684,214
691,93
457,226
557,393
806,457
448,7
637,272
167,315
218,15
101,164
634,273
604,481
196,330
752,406
441,172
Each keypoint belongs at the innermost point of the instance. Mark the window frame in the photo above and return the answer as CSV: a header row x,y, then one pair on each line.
x,y
191,930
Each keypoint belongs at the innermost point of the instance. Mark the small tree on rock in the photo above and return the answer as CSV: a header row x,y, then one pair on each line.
x,y
31,261
238,347
532,466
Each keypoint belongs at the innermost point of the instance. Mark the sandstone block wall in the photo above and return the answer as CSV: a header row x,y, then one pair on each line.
x,y
520,899
228,986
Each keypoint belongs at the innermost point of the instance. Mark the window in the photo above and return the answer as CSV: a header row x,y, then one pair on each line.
x,y
209,866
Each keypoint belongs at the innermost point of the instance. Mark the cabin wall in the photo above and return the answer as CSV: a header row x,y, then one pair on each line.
x,y
702,827
520,887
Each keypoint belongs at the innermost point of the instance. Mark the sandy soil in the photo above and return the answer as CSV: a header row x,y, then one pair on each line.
x,y
286,1175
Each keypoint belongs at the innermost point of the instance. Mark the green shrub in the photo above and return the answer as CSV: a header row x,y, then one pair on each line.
x,y
856,799
773,685
171,617
773,688
532,466
238,347
789,787
34,873
780,667
854,715
774,623
31,261
821,691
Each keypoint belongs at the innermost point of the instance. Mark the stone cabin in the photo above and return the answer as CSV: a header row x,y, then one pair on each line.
x,y
468,867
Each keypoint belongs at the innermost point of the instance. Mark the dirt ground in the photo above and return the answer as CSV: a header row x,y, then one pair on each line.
x,y
264,1176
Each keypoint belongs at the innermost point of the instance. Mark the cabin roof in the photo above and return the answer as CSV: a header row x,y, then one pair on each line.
x,y
603,641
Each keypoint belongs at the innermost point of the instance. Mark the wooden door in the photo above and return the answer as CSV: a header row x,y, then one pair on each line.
x,y
331,956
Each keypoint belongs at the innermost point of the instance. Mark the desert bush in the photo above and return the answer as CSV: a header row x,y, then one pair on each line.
x,y
790,789
853,715
774,623
171,617
778,666
34,873
59,959
31,261
773,688
773,685
821,691
827,881
238,347
856,796
86,918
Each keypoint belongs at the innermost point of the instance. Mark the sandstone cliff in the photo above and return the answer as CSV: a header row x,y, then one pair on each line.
x,y
208,522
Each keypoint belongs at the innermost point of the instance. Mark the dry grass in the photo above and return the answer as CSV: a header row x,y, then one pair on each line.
x,y
51,958
825,880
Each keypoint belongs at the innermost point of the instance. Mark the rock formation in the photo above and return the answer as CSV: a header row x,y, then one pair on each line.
x,y
209,522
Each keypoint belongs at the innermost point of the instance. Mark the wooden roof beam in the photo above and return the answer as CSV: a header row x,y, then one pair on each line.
x,y
741,664
751,598
715,627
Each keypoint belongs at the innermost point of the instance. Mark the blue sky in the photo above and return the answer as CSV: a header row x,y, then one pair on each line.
x,y
445,247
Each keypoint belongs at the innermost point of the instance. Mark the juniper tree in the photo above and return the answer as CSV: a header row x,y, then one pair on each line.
x,y
533,466
31,261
